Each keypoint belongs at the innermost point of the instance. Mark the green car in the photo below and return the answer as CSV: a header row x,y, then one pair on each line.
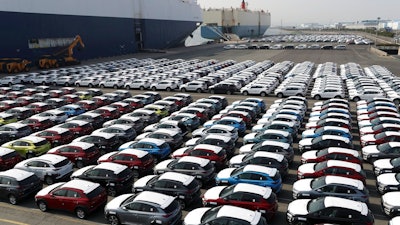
x,y
6,118
29,146
160,110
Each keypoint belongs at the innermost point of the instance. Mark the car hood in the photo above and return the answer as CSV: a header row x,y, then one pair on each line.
x,y
249,136
105,156
257,127
302,185
116,202
305,142
383,164
364,123
194,216
198,132
299,207
391,198
209,123
309,155
142,182
237,159
314,119
306,168
308,133
225,173
311,124
191,142
81,171
163,164
365,130
370,149
49,188
179,152
387,179
368,137
315,113
245,148
213,193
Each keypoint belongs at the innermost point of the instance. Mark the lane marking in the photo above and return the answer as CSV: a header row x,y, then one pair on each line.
x,y
13,222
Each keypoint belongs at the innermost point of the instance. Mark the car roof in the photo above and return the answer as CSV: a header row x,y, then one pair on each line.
x,y
171,132
344,150
33,139
59,130
15,125
256,168
53,159
344,180
116,168
251,188
215,149
217,136
192,159
335,137
160,199
137,152
273,131
104,135
84,185
17,174
79,122
275,143
346,203
158,142
278,157
5,151
239,213
180,177
223,127
238,120
339,163
121,126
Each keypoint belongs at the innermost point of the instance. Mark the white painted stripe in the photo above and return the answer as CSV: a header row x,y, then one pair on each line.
x,y
142,9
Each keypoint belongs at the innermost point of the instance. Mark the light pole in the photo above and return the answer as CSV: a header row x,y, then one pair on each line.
x,y
376,31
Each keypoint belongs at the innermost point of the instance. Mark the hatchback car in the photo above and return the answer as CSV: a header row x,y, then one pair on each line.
x,y
216,154
49,168
248,196
116,178
331,210
78,196
324,141
381,166
8,158
79,153
78,127
72,109
184,187
213,139
15,130
38,123
388,182
143,209
94,119
124,133
56,136
29,146
336,153
106,142
57,116
16,184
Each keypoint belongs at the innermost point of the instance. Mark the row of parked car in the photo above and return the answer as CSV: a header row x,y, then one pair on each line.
x,y
284,46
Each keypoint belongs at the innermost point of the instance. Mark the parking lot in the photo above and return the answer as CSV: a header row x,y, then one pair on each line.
x,y
27,213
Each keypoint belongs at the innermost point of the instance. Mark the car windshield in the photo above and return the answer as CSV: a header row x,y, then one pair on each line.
x,y
316,205
227,191
40,143
96,192
210,215
398,177
320,166
385,148
317,139
380,135
322,152
395,162
237,171
317,183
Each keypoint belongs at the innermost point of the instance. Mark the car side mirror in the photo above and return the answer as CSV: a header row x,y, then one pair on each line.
x,y
319,190
124,208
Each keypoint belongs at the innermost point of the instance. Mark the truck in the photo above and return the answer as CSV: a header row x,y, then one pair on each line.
x,y
14,65
63,57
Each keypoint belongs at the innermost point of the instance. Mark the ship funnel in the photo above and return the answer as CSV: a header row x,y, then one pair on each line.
x,y
243,6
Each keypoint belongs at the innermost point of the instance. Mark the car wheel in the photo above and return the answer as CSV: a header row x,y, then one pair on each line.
x,y
115,86
42,205
182,203
79,164
29,155
245,93
279,95
317,97
212,91
199,90
111,191
183,90
102,86
228,92
356,99
80,213
168,89
12,199
66,84
338,96
90,85
263,94
49,180
135,174
154,88
43,83
113,220
77,84
127,87
141,88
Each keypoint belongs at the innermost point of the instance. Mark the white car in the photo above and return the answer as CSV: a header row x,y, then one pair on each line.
x,y
87,82
48,167
55,115
328,93
137,84
112,82
257,89
10,80
197,86
167,85
390,203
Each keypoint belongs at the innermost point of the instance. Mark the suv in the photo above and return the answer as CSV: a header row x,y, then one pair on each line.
x,y
196,86
179,185
167,85
106,142
116,178
15,130
222,88
79,153
16,184
29,146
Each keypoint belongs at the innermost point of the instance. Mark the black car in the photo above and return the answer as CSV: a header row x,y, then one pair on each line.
x,y
135,122
116,178
182,186
124,133
95,119
21,112
223,89
15,130
104,141
16,184
273,160
324,141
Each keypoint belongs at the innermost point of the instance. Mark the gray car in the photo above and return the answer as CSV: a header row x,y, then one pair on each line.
x,y
124,133
331,186
146,208
135,122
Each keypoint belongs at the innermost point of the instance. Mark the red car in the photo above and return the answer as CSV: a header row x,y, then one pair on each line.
x,y
71,98
39,107
88,105
56,136
134,103
25,100
79,153
122,107
215,154
55,93
178,101
380,138
4,90
108,113
78,127
78,196
38,123
248,196
345,154
29,91
101,101
331,167
378,114
12,95
141,162
8,158
68,90
7,104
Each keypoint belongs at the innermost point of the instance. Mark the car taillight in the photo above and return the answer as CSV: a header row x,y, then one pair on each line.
x,y
167,215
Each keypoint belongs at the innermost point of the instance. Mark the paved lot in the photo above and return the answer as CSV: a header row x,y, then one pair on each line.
x,y
27,212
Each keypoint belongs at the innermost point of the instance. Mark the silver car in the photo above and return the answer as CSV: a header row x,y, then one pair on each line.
x,y
145,208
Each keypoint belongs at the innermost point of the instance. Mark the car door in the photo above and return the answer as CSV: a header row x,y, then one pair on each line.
x,y
57,199
129,213
5,183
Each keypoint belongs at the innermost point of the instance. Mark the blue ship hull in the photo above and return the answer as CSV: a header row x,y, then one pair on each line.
x,y
241,31
103,36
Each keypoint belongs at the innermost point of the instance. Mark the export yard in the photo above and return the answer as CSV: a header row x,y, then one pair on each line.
x,y
26,212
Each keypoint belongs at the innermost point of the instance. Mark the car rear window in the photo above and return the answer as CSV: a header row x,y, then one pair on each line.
x,y
91,149
125,173
96,192
40,143
174,205
28,180
62,163
277,176
192,184
147,157
9,155
208,166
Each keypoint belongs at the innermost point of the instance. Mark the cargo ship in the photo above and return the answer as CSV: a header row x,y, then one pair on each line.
x,y
222,23
32,28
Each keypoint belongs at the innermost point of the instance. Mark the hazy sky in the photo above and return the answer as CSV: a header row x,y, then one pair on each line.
x,y
295,12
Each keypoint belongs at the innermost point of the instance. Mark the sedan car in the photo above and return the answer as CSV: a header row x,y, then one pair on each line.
x,y
386,150
143,209
328,210
78,196
380,138
56,136
273,135
248,196
15,130
330,186
251,174
217,129
381,166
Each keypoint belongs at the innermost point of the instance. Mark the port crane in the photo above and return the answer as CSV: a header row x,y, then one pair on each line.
x,y
63,57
